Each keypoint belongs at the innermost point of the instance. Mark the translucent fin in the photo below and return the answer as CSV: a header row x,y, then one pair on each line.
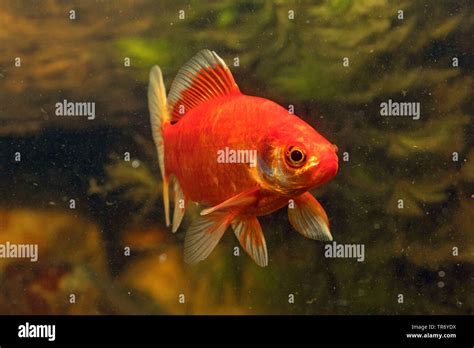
x,y
179,204
159,118
250,235
238,201
309,218
202,78
166,200
203,236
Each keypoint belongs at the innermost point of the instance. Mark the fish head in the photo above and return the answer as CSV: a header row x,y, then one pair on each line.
x,y
295,158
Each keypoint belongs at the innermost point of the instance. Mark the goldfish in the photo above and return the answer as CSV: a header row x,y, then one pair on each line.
x,y
238,156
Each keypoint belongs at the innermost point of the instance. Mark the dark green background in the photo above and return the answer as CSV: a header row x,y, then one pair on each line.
x,y
297,62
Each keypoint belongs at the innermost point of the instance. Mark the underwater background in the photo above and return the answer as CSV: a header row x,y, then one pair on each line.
x,y
423,251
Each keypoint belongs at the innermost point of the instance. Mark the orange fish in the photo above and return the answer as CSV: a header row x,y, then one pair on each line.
x,y
237,155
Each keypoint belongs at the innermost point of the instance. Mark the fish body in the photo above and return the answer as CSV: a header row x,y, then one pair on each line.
x,y
238,122
239,156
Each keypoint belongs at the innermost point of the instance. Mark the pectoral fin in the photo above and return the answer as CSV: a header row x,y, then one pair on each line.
x,y
250,235
234,203
308,217
204,234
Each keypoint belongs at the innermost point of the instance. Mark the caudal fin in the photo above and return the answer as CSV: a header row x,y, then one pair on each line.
x,y
159,118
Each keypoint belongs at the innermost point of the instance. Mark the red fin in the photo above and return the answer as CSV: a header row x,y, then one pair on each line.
x,y
250,235
236,202
203,78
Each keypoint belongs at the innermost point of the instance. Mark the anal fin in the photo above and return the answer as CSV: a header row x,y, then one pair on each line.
x,y
308,217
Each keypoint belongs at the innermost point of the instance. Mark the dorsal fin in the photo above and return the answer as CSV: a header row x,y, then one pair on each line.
x,y
202,78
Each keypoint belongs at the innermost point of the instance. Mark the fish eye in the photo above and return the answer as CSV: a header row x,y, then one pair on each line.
x,y
295,156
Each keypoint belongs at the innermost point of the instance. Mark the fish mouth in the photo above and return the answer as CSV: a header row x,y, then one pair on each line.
x,y
326,169
332,164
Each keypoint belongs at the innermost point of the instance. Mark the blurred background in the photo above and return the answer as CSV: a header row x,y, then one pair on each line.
x,y
118,203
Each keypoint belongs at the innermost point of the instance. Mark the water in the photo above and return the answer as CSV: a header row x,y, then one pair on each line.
x,y
88,192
